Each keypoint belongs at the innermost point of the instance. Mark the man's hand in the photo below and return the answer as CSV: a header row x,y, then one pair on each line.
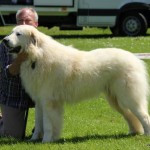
x,y
14,68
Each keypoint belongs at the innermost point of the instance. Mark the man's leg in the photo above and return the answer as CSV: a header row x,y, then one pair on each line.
x,y
13,122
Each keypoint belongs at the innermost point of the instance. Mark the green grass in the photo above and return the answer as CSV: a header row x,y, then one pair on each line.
x,y
89,125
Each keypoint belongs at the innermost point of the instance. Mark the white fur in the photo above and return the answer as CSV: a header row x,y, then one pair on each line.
x,y
63,73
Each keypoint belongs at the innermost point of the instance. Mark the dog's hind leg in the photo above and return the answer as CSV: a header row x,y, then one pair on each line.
x,y
141,112
52,120
136,102
135,99
135,127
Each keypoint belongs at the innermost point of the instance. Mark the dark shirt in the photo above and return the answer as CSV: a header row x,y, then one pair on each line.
x,y
11,91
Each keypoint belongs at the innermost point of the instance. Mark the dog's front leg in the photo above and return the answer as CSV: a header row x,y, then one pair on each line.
x,y
52,121
38,132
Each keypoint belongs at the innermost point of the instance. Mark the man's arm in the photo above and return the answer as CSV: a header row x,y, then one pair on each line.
x,y
14,67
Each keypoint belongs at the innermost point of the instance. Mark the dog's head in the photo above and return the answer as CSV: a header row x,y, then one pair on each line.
x,y
21,37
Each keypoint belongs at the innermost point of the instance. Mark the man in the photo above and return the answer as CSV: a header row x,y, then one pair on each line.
x,y
14,102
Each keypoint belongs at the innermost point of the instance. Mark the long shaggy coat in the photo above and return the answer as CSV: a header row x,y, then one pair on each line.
x,y
54,73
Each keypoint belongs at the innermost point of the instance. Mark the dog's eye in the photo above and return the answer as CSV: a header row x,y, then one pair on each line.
x,y
18,34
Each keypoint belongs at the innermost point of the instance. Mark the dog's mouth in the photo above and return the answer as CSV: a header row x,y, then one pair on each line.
x,y
14,49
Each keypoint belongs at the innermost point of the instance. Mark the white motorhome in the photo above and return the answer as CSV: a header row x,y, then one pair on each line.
x,y
123,17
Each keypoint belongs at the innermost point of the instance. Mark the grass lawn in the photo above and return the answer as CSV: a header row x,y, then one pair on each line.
x,y
90,125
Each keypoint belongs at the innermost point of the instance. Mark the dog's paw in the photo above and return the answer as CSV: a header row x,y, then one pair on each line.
x,y
36,136
48,139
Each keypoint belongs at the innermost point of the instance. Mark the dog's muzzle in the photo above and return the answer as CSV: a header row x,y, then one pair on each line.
x,y
11,49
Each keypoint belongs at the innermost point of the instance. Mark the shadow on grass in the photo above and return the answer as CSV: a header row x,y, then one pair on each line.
x,y
72,36
10,141
93,137
82,36
86,36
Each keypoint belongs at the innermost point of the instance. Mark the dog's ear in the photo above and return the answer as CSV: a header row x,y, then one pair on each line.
x,y
34,39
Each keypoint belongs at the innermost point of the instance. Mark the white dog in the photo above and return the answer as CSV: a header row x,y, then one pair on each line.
x,y
54,73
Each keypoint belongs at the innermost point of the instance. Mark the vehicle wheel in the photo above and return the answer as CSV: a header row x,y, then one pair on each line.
x,y
133,24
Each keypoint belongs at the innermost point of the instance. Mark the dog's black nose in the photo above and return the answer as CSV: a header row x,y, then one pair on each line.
x,y
5,41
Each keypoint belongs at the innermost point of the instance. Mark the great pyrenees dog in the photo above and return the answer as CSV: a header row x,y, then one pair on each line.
x,y
54,74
